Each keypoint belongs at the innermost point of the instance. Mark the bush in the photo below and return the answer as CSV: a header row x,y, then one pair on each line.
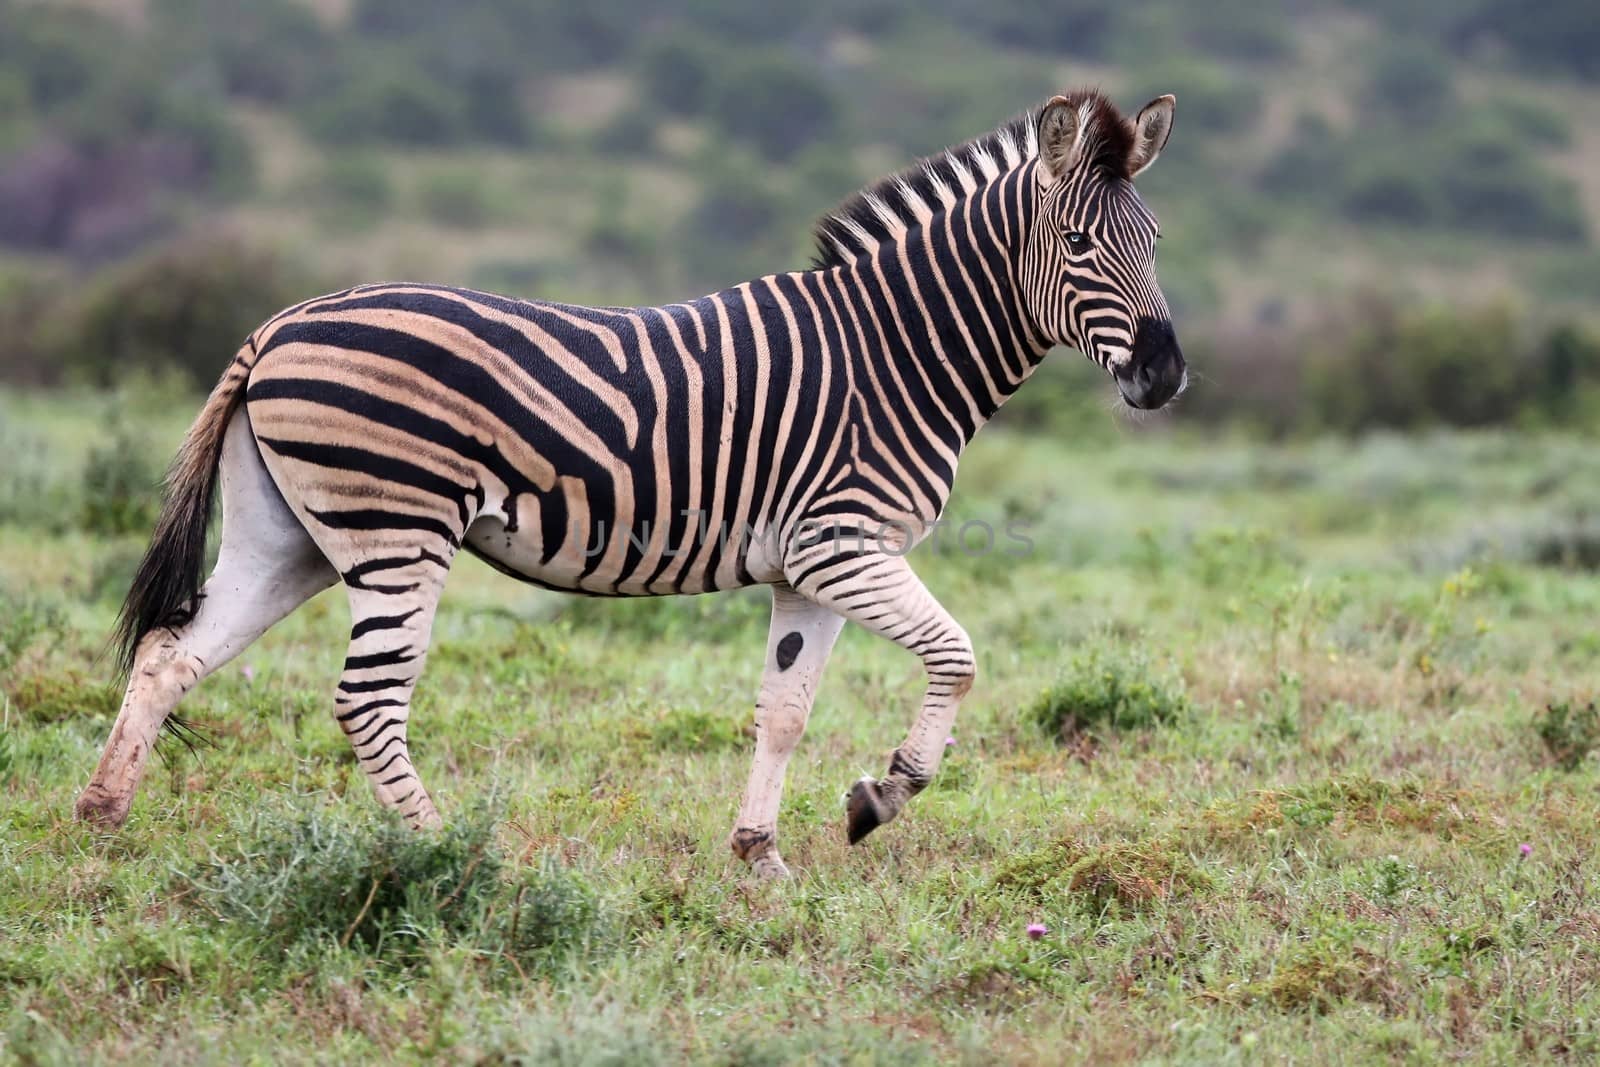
x,y
1412,79
317,880
187,308
1390,190
773,103
455,198
388,100
1215,99
733,232
676,73
38,485
694,730
1100,693
1072,27
1569,732
353,191
1410,369
24,622
1541,35
1119,877
268,50
1567,361
1373,363
1238,29
121,486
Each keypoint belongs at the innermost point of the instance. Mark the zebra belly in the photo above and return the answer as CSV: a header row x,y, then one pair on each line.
x,y
602,559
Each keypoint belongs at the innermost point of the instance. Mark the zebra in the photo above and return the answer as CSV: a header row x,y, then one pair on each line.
x,y
368,436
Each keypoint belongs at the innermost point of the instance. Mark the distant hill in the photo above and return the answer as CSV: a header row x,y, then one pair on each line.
x,y
615,154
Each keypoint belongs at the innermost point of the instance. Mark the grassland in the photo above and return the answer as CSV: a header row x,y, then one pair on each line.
x,y
1260,735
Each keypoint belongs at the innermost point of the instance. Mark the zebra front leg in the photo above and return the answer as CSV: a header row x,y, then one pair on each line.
x,y
883,594
799,640
391,623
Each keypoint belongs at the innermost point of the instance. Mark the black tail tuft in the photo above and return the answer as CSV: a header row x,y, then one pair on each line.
x,y
166,588
185,731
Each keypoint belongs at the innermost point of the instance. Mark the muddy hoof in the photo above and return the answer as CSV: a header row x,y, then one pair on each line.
x,y
770,867
101,811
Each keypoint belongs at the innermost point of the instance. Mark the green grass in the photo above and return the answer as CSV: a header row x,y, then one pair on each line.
x,y
1324,693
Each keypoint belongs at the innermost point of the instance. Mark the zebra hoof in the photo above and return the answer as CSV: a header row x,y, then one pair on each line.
x,y
101,810
864,810
769,867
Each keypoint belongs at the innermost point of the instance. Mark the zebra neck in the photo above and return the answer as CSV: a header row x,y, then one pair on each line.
x,y
945,298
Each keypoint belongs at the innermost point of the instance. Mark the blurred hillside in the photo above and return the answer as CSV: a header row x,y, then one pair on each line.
x,y
1333,162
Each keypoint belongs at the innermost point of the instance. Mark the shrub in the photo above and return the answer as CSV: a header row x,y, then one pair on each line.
x,y
388,100
317,880
736,229
24,621
121,486
1100,693
1542,35
353,191
455,198
186,307
1121,875
1458,368
1216,99
1569,732
38,485
774,103
267,50
676,73
1411,78
61,697
1074,27
693,730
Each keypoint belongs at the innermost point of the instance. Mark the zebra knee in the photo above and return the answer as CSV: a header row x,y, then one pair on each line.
x,y
781,720
162,672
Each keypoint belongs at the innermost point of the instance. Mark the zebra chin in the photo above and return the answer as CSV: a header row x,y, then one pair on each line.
x,y
1155,372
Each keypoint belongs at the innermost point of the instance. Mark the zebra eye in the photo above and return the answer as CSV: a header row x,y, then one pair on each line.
x,y
1078,241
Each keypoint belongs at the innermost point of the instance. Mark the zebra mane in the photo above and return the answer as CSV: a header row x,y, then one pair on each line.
x,y
891,206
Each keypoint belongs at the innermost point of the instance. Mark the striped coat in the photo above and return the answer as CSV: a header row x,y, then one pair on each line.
x,y
800,431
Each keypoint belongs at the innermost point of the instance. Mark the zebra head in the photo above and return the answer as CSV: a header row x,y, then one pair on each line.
x,y
1089,265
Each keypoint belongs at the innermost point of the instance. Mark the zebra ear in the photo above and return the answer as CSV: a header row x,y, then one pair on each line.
x,y
1060,139
1150,132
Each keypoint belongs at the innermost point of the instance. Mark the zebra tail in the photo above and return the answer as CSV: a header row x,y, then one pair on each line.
x,y
168,579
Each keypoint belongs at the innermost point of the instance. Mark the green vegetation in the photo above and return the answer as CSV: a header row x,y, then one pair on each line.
x,y
1444,148
1282,747
1323,694
1569,733
1096,694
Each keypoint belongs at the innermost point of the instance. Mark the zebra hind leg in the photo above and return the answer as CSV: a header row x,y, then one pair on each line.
x,y
267,566
392,607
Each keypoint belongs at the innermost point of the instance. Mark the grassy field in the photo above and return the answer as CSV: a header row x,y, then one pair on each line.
x,y
1287,746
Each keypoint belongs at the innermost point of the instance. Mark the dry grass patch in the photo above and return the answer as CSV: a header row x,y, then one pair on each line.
x,y
1129,876
1343,804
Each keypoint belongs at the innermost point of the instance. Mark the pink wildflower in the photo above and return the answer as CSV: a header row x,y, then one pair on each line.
x,y
1037,930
